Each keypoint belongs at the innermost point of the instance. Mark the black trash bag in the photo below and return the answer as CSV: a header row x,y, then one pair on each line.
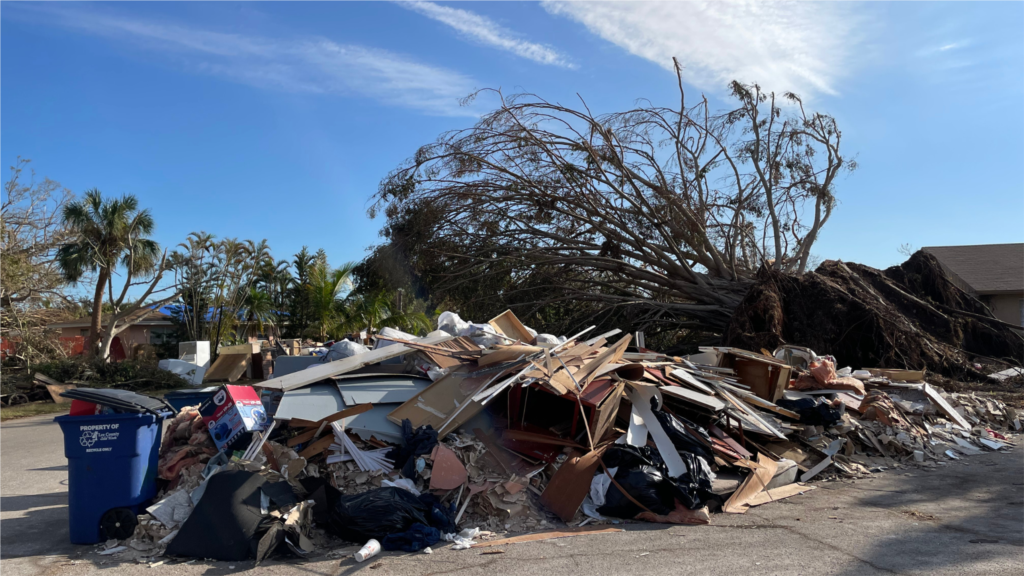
x,y
626,456
440,517
376,513
694,486
813,411
646,485
684,440
643,474
415,443
415,539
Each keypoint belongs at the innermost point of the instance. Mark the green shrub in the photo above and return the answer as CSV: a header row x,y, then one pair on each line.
x,y
127,374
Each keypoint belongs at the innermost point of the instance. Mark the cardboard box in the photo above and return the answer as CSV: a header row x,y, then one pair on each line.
x,y
232,411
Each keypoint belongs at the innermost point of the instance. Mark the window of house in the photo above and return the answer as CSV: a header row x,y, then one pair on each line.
x,y
84,332
161,335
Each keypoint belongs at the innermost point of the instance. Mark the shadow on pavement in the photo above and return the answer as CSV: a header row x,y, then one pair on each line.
x,y
43,530
963,518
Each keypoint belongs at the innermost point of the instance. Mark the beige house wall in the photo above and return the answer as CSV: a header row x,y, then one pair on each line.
x,y
1006,307
132,335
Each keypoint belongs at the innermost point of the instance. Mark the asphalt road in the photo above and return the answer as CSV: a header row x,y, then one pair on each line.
x,y
964,518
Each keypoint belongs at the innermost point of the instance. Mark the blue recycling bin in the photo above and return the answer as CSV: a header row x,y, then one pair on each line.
x,y
112,468
181,398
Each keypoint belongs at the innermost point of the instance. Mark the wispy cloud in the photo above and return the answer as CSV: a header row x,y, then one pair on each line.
x,y
310,65
489,32
946,47
801,47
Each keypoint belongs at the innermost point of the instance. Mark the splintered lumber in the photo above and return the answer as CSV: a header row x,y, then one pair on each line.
x,y
612,354
328,369
753,485
581,531
353,411
779,493
317,447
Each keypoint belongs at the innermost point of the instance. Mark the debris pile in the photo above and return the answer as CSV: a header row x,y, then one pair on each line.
x,y
478,429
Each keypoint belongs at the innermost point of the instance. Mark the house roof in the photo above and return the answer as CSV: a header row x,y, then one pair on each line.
x,y
987,268
157,318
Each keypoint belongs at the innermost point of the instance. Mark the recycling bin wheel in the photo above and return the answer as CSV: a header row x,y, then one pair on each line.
x,y
118,523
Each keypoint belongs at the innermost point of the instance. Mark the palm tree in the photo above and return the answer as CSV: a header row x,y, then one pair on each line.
x,y
258,307
371,312
326,287
298,293
108,234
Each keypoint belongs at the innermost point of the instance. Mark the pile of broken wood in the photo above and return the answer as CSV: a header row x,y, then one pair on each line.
x,y
591,429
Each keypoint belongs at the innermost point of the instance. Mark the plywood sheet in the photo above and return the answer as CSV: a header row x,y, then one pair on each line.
x,y
437,402
228,367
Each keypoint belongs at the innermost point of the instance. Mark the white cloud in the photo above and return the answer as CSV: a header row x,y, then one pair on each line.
x,y
311,65
489,32
786,46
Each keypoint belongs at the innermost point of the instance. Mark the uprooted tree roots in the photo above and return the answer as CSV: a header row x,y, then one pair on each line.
x,y
908,316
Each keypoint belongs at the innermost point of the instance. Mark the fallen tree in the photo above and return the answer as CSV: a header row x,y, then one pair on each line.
x,y
907,316
665,211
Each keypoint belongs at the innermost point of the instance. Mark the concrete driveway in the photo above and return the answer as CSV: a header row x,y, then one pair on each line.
x,y
964,518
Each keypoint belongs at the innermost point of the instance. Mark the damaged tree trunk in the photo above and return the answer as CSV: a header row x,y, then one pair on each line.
x,y
908,316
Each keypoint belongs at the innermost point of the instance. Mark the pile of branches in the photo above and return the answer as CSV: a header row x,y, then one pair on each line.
x,y
907,316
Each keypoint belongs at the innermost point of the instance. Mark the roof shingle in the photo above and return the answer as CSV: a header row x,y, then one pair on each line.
x,y
986,268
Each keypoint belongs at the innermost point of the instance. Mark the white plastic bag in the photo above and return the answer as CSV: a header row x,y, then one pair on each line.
x,y
344,349
451,323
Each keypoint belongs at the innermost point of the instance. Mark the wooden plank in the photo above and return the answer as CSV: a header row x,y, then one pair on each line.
x,y
581,531
228,367
353,411
328,369
319,446
507,354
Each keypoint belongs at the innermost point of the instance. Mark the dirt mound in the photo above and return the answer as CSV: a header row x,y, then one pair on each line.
x,y
908,316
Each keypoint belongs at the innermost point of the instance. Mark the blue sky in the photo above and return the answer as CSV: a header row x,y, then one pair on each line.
x,y
277,121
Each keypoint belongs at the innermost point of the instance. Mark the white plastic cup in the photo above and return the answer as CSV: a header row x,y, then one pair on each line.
x,y
369,550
